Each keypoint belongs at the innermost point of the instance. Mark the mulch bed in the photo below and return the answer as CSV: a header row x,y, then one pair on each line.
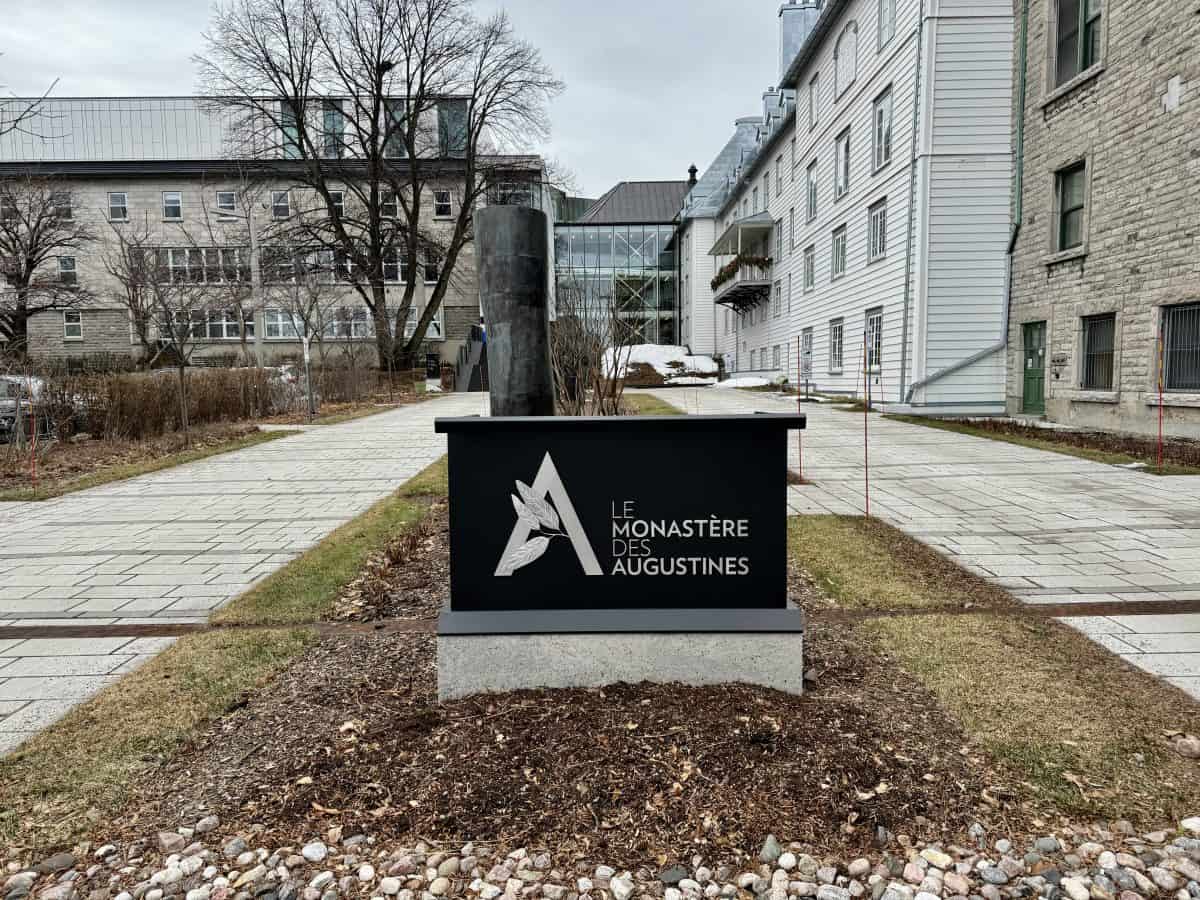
x,y
60,461
1179,451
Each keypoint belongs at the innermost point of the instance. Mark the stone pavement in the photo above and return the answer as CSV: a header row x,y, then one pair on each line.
x,y
1048,527
171,546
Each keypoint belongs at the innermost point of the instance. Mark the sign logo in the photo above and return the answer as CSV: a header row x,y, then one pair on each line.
x,y
539,522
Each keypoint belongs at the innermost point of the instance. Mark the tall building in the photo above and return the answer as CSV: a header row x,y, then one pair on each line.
x,y
617,255
861,241
1106,279
172,166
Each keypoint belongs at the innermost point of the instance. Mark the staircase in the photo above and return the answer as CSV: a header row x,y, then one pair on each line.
x,y
471,372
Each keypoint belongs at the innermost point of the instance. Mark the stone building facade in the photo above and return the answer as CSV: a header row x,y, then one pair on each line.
x,y
1106,262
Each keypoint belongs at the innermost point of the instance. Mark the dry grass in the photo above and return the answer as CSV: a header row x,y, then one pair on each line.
x,y
305,589
80,769
648,405
1073,726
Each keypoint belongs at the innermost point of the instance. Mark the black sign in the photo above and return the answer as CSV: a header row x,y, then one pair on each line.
x,y
665,512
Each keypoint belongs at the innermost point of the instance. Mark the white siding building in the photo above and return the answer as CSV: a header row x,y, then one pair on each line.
x,y
823,274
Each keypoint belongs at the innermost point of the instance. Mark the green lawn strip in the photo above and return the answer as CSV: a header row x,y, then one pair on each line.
x,y
649,405
1066,720
132,470
1108,457
82,767
304,590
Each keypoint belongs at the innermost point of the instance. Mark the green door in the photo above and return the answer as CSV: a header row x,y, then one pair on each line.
x,y
1033,399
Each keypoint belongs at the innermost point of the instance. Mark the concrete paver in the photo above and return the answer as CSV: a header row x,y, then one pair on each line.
x,y
171,546
1048,527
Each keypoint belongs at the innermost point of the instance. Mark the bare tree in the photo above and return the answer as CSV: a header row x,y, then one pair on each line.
x,y
18,113
380,102
39,240
589,345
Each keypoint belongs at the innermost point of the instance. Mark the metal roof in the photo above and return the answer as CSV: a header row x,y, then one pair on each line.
x,y
635,202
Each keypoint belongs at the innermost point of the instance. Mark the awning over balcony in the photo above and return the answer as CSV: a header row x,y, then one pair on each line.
x,y
743,235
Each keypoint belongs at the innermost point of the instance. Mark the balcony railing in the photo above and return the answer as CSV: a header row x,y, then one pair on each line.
x,y
743,282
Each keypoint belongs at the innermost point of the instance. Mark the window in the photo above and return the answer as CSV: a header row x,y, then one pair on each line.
x,y
172,205
874,339
776,357
212,265
810,268
226,202
887,22
1069,191
442,207
779,175
337,202
753,358
219,325
388,207
841,175
811,192
61,201
766,191
838,261
754,195
1098,335
727,321
792,230
66,270
333,128
349,323
845,59
1077,45
8,209
432,267
395,266
814,101
806,353
280,325
1181,347
789,292
877,229
118,207
792,159
881,131
777,300
72,325
394,114
778,239
281,204
452,127
289,130
835,346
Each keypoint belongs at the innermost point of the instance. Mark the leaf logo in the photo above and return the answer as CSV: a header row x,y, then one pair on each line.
x,y
540,522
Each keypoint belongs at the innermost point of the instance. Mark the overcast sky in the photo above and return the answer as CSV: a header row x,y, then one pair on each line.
x,y
652,85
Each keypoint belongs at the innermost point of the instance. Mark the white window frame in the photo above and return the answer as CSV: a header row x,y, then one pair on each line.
x,y
337,199
779,175
814,101
877,231
792,230
809,280
811,186
361,326
123,205
777,299
428,260
881,130
281,200
806,354
226,210
443,198
837,345
63,207
886,24
389,205
874,329
776,357
839,250
778,240
68,272
280,325
223,319
841,84
178,202
841,165
72,325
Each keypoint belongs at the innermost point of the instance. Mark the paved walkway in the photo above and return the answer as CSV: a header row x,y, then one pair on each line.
x,y
170,547
1048,527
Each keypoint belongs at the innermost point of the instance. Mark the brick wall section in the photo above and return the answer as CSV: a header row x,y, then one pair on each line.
x,y
1142,223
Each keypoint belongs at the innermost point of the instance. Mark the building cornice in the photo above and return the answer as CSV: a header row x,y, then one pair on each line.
x,y
813,43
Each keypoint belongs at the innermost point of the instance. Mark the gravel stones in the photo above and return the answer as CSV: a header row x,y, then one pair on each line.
x,y
622,887
993,875
937,858
832,892
1191,825
171,842
315,851
771,851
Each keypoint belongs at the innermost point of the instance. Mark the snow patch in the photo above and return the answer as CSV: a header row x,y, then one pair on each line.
x,y
651,365
746,381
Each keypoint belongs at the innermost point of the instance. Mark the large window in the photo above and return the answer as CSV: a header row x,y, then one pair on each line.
x,y
810,268
172,205
1098,335
289,130
874,322
814,101
72,325
452,127
118,207
1181,350
67,273
838,257
394,114
881,131
280,326
1070,190
877,230
347,323
1077,44
841,174
61,200
811,192
226,203
836,331
845,56
333,128
208,265
887,22
219,325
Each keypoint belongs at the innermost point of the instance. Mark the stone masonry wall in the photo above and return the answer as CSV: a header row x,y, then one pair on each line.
x,y
1133,118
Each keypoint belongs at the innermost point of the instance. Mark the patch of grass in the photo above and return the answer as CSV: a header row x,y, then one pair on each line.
x,y
649,405
1078,727
866,564
82,766
304,590
351,415
1095,454
142,467
1075,729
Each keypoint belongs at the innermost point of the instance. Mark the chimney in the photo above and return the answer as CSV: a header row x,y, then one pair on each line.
x,y
796,21
771,107
692,173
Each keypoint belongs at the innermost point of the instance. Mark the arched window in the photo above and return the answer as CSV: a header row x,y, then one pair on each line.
x,y
845,58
